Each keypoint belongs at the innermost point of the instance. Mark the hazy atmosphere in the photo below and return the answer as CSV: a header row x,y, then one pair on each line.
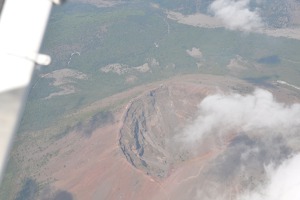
x,y
163,99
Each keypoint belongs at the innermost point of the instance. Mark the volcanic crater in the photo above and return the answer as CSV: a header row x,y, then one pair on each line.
x,y
154,120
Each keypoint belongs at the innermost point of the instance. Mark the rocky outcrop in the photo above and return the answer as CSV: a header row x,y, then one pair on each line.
x,y
153,121
150,124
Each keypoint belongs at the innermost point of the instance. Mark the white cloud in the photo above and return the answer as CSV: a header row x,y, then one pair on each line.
x,y
284,183
220,114
236,14
260,113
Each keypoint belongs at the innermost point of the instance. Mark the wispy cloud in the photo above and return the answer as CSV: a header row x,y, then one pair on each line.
x,y
283,184
236,14
255,113
220,113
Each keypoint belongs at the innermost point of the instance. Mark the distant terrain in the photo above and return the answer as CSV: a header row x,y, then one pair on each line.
x,y
106,119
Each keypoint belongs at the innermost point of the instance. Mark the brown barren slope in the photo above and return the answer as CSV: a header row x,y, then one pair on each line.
x,y
137,156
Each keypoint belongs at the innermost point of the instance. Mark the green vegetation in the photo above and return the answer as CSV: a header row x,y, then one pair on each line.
x,y
127,34
7,191
133,34
28,191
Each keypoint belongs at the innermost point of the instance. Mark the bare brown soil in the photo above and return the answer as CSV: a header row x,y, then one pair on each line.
x,y
201,20
63,79
96,167
100,3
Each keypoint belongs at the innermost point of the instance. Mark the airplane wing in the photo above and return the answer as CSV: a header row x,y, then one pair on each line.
x,y
22,27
